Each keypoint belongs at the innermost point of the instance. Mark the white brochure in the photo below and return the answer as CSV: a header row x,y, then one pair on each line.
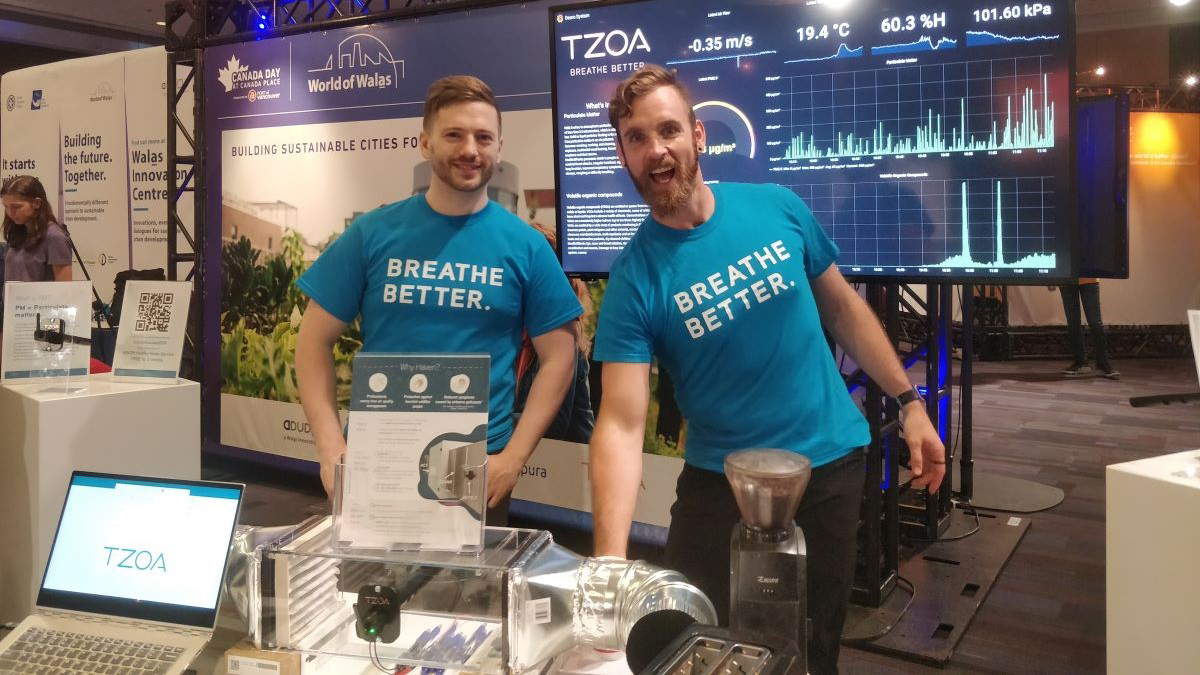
x,y
47,331
151,330
416,452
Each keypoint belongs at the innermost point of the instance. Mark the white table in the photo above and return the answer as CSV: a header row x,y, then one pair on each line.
x,y
46,432
1153,556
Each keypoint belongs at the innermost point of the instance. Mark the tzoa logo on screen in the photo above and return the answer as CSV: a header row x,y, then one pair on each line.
x,y
612,43
360,61
133,559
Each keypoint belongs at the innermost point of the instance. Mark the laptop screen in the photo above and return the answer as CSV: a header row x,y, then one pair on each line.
x,y
142,548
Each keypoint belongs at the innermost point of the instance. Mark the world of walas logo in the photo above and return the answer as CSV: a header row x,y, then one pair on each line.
x,y
361,61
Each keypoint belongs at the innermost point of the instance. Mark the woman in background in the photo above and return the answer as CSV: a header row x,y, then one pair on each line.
x,y
39,248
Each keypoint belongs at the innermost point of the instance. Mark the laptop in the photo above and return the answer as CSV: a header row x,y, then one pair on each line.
x,y
134,577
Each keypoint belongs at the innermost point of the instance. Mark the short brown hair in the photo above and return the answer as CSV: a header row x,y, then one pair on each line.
x,y
643,81
455,89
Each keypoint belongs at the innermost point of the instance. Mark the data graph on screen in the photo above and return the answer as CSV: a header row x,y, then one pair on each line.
x,y
1000,104
931,139
977,225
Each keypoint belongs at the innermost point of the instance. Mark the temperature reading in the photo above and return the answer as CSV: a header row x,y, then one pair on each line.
x,y
898,24
716,43
1031,10
823,31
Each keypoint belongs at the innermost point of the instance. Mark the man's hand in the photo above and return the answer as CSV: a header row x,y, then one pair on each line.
x,y
503,470
927,455
319,330
332,452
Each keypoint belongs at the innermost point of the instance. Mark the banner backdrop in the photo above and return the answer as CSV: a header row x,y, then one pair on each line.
x,y
94,165
29,140
311,131
93,131
146,103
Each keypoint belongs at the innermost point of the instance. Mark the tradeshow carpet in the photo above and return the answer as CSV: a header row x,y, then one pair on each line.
x,y
1045,613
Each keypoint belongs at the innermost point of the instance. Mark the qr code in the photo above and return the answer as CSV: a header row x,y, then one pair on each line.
x,y
154,312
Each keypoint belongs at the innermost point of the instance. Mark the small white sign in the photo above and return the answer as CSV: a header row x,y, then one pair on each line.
x,y
416,450
1013,522
238,665
47,331
539,611
150,333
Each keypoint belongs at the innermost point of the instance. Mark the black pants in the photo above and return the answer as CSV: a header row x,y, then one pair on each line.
x,y
1089,295
702,521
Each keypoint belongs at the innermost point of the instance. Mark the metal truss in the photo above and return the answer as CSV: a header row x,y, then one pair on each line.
x,y
1123,341
1149,98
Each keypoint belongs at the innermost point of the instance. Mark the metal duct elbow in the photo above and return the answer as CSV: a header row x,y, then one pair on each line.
x,y
613,594
603,599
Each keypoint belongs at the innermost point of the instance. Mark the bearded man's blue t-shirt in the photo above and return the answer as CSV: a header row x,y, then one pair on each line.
x,y
728,310
428,282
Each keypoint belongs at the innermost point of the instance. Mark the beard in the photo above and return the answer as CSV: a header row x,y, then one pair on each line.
x,y
667,198
445,170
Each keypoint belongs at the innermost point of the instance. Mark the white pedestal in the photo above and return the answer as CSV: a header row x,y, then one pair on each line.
x,y
46,433
1153,554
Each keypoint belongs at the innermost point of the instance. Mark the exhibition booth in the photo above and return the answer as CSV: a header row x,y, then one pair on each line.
x,y
954,155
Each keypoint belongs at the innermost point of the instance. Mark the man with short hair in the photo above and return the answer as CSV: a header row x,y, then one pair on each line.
x,y
447,271
728,286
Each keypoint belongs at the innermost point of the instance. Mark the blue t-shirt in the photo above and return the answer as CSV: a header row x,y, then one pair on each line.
x,y
728,310
427,282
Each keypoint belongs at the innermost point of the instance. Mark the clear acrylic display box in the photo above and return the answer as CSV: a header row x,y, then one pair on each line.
x,y
467,612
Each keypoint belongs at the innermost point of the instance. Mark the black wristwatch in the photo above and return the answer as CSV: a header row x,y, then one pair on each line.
x,y
908,397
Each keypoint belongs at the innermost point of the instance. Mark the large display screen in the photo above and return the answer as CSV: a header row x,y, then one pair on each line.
x,y
929,139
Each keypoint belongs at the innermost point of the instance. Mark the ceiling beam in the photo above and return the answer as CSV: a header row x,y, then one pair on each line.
x,y
1163,14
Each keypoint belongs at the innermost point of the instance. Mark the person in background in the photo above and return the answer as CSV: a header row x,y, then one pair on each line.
x,y
38,247
575,418
1086,291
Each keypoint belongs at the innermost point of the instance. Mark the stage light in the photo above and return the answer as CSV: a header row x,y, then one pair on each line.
x,y
1180,3
160,23
262,21
1100,70
1190,80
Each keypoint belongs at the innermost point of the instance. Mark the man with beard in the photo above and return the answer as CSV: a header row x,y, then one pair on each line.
x,y
728,286
451,272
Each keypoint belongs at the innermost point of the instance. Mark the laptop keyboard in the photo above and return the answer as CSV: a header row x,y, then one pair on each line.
x,y
39,651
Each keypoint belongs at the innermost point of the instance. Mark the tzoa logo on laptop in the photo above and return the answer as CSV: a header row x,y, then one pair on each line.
x,y
133,559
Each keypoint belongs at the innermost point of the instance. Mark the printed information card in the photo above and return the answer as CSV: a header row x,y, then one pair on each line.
x,y
47,331
416,452
150,333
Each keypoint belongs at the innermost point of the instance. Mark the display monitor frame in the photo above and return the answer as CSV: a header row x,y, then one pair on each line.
x,y
1089,266
1066,217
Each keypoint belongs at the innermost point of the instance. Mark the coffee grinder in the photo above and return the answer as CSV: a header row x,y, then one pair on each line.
x,y
768,583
